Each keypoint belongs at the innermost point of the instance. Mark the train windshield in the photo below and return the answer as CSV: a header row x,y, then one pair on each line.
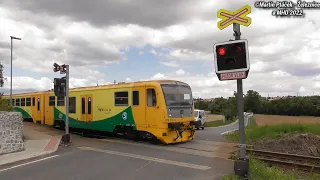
x,y
196,113
177,95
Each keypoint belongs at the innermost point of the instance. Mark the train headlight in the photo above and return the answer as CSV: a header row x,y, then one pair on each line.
x,y
170,115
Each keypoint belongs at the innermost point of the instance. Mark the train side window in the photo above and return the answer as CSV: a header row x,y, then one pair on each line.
x,y
121,98
38,104
23,101
151,97
33,101
52,100
135,98
83,105
72,104
28,101
13,102
17,102
60,101
89,105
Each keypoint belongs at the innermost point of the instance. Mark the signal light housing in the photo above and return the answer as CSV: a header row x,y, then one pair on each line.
x,y
231,56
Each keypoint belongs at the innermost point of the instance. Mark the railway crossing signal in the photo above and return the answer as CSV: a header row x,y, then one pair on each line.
x,y
61,89
231,61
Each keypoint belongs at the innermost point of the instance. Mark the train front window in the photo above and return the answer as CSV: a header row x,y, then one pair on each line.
x,y
177,95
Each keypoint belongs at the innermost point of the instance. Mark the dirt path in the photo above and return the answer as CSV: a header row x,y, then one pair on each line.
x,y
214,117
303,144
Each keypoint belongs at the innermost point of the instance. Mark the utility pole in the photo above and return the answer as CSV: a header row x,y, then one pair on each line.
x,y
61,89
11,38
243,160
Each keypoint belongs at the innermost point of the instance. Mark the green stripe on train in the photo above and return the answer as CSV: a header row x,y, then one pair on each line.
x,y
24,113
125,117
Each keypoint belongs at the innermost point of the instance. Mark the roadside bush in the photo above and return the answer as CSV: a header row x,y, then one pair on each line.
x,y
5,104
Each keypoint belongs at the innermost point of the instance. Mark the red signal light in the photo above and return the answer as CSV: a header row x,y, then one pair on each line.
x,y
238,49
222,51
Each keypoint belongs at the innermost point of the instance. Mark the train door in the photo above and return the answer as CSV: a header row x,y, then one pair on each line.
x,y
152,108
42,109
34,109
138,106
39,113
89,108
86,108
49,104
84,105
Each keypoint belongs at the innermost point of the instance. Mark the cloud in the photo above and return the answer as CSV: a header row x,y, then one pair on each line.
x,y
128,80
28,84
148,13
158,76
90,35
170,63
180,72
207,86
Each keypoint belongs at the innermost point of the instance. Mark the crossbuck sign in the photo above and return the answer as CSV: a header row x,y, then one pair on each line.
x,y
239,17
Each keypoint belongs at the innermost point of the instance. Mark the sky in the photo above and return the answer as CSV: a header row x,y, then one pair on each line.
x,y
126,40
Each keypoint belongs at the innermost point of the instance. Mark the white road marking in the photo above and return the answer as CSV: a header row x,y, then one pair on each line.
x,y
246,124
226,132
165,161
166,148
1,170
224,125
144,165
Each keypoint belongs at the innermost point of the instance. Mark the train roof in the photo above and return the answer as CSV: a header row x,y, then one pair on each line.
x,y
107,86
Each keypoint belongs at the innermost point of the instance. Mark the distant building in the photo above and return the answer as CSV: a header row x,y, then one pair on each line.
x,y
203,100
280,97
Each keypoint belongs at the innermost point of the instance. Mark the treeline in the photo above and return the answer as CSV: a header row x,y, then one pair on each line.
x,y
4,103
253,102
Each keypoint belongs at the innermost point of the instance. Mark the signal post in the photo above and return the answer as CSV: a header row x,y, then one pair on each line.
x,y
61,89
231,61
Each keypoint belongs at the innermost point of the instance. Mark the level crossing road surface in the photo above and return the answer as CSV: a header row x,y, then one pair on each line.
x,y
118,159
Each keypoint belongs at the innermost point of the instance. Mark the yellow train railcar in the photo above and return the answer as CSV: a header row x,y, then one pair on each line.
x,y
160,109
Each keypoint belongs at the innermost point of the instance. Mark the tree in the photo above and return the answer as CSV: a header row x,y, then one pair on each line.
x,y
5,104
252,101
292,106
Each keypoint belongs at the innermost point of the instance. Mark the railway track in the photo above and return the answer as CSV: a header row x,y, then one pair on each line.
x,y
285,160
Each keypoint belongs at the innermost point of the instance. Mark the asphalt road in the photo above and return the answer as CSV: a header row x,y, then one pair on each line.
x,y
107,159
214,133
115,159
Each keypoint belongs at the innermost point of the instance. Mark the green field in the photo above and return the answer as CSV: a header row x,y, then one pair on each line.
x,y
261,171
255,133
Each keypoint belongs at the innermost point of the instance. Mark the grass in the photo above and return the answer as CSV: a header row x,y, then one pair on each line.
x,y
255,133
260,170
218,123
